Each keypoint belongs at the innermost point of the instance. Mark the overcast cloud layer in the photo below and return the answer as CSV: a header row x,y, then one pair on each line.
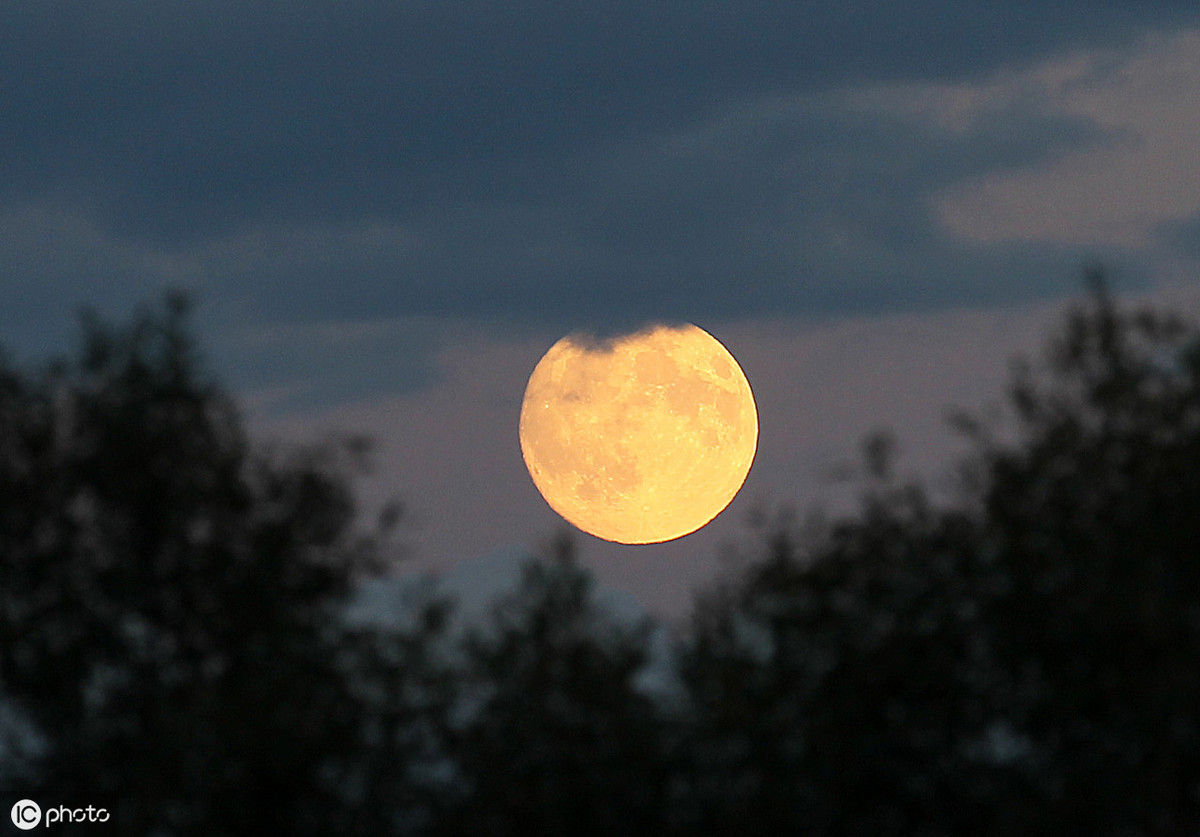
x,y
333,179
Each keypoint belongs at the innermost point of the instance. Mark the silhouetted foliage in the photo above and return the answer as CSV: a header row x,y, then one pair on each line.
x,y
1095,516
1027,661
839,684
559,739
1023,660
169,597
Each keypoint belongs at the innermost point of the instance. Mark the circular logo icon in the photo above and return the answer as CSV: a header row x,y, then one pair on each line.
x,y
26,814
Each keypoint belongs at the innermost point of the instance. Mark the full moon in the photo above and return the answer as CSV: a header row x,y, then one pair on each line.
x,y
640,439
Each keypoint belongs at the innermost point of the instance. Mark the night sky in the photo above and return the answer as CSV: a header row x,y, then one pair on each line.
x,y
387,211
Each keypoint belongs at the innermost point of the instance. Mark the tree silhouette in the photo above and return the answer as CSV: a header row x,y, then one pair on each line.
x,y
1093,513
168,593
1024,659
838,683
560,740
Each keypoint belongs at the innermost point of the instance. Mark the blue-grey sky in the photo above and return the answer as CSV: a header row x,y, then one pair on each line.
x,y
352,190
308,161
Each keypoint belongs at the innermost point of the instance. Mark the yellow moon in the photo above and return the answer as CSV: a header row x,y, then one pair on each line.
x,y
640,439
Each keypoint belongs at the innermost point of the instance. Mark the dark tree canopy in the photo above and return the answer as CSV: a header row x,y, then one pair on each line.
x,y
1022,659
560,740
168,593
1095,514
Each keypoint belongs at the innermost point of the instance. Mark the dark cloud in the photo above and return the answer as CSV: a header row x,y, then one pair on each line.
x,y
307,367
176,120
785,205
596,165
